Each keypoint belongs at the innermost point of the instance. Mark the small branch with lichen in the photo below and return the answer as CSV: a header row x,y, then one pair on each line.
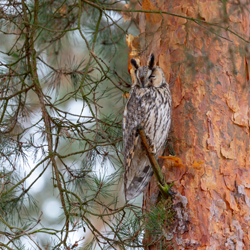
x,y
163,186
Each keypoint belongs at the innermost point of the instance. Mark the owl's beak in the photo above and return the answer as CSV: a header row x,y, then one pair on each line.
x,y
143,84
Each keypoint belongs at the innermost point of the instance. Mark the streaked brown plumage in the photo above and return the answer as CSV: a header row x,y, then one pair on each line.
x,y
149,105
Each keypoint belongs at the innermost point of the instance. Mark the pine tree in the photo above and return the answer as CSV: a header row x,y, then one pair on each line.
x,y
64,83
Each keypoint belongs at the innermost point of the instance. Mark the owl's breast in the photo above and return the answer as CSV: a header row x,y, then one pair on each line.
x,y
157,122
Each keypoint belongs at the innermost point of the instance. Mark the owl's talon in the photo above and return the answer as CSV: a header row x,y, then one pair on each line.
x,y
152,149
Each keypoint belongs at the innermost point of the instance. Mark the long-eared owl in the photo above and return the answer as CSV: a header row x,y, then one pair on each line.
x,y
149,105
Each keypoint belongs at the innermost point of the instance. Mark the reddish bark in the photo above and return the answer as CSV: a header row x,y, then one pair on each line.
x,y
208,76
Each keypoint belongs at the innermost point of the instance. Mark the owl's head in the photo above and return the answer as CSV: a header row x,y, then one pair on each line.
x,y
147,76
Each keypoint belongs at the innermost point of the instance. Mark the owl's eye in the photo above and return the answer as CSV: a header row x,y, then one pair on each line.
x,y
152,77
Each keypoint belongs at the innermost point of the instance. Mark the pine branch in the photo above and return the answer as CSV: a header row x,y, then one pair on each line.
x,y
163,186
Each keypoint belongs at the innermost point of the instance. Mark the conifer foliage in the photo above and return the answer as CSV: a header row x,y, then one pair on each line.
x,y
60,125
63,86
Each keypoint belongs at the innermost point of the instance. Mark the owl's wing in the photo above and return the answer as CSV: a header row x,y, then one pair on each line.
x,y
134,114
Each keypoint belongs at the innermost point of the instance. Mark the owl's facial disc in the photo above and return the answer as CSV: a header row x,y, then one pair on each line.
x,y
149,77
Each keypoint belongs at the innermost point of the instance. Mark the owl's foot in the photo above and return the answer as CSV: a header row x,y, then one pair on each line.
x,y
166,189
152,149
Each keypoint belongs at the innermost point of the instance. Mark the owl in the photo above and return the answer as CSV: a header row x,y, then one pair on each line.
x,y
149,105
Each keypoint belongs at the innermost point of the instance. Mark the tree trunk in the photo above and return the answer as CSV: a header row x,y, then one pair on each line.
x,y
207,69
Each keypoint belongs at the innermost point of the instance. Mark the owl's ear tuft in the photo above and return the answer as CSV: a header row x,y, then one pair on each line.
x,y
134,63
151,61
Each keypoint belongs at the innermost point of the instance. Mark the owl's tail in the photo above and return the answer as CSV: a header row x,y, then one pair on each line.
x,y
138,183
